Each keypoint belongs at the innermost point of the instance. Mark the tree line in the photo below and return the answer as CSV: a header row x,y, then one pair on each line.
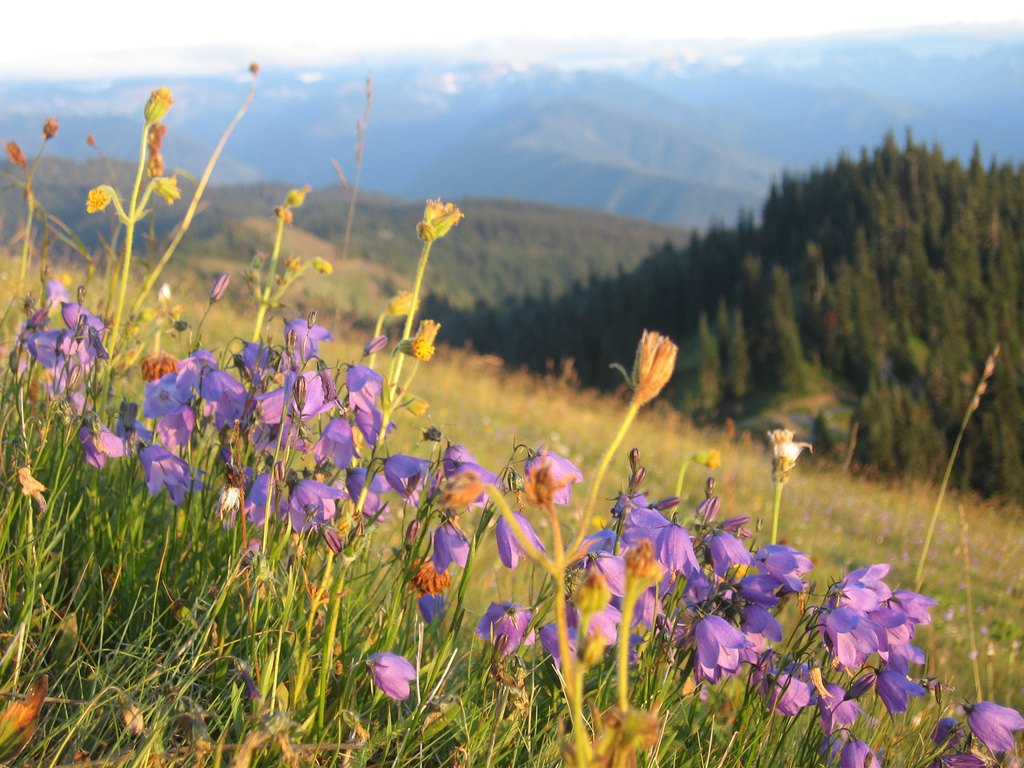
x,y
892,275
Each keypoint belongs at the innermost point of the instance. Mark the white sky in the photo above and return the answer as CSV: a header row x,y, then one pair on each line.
x,y
69,37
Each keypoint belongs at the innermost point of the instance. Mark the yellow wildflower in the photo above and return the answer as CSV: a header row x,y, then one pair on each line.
x,y
99,198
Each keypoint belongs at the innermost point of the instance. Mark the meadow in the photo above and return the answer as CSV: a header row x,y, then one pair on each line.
x,y
231,537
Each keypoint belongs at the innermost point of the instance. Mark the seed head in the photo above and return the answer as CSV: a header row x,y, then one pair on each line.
x,y
784,453
427,581
438,218
50,128
640,563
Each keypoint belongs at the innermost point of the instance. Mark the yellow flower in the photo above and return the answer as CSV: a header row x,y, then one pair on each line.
x,y
297,197
711,459
98,199
422,344
160,100
167,188
323,266
438,218
400,304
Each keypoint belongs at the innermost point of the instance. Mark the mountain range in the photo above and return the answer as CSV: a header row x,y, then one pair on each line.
x,y
675,135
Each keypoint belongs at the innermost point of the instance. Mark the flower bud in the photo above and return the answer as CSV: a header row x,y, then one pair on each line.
x,y
299,392
375,345
438,218
160,101
280,473
634,460
711,459
400,304
591,650
707,510
167,188
331,539
219,287
412,532
323,266
417,407
593,595
297,197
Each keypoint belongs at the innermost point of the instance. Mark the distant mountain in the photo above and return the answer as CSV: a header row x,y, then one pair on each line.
x,y
679,134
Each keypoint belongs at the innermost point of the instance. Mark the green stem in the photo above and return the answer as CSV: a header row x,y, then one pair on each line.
x,y
265,300
627,620
679,479
128,238
151,278
396,361
588,510
919,577
775,512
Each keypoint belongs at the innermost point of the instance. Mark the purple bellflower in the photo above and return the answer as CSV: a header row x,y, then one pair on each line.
x,y
509,550
164,469
450,545
509,620
719,644
392,674
336,443
992,724
406,475
311,504
857,754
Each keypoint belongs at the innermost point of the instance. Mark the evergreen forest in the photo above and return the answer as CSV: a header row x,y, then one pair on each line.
x,y
889,277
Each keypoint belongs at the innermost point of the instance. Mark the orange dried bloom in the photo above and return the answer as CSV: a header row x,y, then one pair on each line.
x,y
542,485
427,581
50,128
15,155
640,563
655,363
158,365
90,140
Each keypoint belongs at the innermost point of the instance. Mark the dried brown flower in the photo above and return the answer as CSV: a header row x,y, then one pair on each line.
x,y
158,365
655,363
16,156
32,487
50,128
640,563
427,581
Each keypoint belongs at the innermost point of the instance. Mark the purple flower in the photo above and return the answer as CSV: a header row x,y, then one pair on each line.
x,y
893,689
392,674
851,636
257,498
100,443
176,427
718,648
864,590
727,551
509,550
219,286
784,564
857,754
406,475
225,398
56,294
375,345
836,709
431,607
336,444
164,469
508,620
674,550
947,733
563,472
450,546
374,507
364,388
164,395
550,643
459,461
311,503
992,724
308,338
787,694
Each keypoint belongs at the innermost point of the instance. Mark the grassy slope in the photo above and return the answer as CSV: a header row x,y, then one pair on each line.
x,y
844,522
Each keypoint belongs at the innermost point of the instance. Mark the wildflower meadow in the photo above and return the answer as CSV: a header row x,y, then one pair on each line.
x,y
220,547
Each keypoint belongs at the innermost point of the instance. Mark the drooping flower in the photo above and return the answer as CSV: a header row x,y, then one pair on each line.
x,y
450,545
992,724
392,674
164,469
858,754
406,475
562,473
336,443
509,620
311,503
308,337
894,689
99,444
718,648
509,549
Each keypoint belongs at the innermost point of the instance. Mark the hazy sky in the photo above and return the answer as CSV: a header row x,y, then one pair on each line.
x,y
65,37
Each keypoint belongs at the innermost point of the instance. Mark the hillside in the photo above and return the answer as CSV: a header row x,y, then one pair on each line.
x,y
506,250
881,283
